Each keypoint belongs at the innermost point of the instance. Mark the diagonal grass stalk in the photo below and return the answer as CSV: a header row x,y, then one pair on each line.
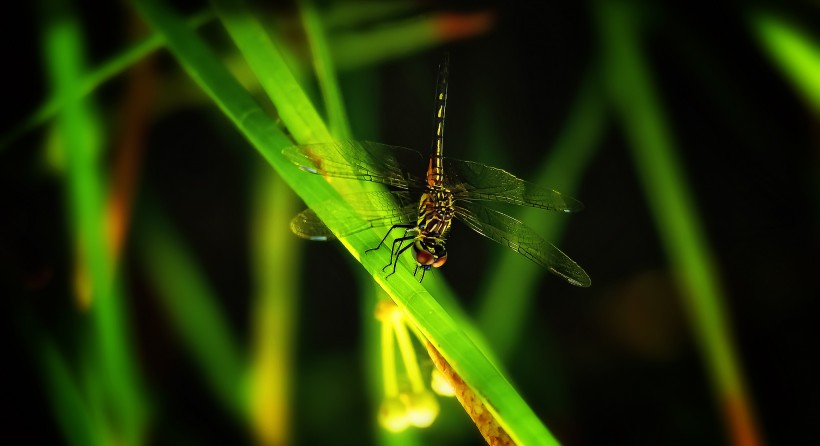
x,y
192,305
94,78
793,50
267,63
325,71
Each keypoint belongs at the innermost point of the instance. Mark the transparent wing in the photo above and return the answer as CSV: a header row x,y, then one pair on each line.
x,y
475,181
515,235
363,211
360,160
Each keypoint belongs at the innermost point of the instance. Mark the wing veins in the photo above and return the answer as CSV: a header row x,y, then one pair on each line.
x,y
509,232
476,181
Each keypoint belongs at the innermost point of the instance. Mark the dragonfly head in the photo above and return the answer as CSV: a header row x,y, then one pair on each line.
x,y
430,253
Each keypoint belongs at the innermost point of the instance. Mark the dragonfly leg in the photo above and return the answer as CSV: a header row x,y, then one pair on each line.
x,y
400,241
406,228
392,250
398,254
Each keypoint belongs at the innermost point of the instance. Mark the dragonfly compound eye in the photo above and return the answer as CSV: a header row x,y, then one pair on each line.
x,y
430,255
439,261
423,256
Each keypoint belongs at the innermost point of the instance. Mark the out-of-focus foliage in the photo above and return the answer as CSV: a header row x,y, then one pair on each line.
x,y
156,295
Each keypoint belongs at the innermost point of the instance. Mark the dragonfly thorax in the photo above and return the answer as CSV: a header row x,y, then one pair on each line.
x,y
436,212
435,217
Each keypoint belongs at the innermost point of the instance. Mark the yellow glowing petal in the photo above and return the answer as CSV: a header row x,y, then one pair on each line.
x,y
440,385
393,415
386,309
422,408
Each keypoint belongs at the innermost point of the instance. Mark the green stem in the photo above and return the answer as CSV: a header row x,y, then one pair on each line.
x,y
325,71
633,96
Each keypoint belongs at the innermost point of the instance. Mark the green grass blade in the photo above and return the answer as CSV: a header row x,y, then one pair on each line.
x,y
360,48
264,56
85,195
276,260
67,401
422,309
193,307
504,304
266,61
326,74
399,39
632,94
794,51
361,12
93,79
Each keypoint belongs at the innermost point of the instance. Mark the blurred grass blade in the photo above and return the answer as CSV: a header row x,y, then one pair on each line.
x,y
505,304
794,51
276,260
266,61
422,309
192,307
398,39
93,79
85,196
360,12
325,72
67,401
670,201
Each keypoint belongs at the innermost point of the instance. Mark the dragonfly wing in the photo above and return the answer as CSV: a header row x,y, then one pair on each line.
x,y
359,160
476,181
356,213
515,235
308,225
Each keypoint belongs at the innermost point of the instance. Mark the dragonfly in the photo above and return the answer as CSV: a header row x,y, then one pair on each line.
x,y
424,206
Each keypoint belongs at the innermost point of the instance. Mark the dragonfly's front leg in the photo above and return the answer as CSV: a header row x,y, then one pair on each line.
x,y
401,250
423,270
406,228
401,241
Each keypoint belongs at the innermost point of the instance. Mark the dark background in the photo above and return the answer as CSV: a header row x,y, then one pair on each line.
x,y
613,364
